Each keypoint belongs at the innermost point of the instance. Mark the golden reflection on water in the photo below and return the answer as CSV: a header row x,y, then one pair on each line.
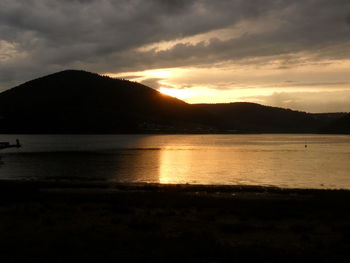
x,y
195,165
175,165
254,160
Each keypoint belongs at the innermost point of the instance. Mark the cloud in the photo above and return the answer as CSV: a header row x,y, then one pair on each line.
x,y
152,82
129,77
156,83
330,101
43,36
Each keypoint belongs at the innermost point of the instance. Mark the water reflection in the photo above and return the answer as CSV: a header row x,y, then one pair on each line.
x,y
175,165
280,160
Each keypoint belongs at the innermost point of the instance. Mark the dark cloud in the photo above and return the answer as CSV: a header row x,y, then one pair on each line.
x,y
152,82
321,35
102,36
155,83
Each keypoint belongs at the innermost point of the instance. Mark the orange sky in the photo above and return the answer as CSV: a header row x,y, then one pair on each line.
x,y
308,87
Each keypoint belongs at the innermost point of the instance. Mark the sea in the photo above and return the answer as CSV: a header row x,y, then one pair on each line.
x,y
282,160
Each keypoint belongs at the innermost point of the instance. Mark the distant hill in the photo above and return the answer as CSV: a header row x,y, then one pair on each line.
x,y
251,117
341,125
74,101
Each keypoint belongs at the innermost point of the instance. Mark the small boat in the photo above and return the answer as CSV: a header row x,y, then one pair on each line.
x,y
4,145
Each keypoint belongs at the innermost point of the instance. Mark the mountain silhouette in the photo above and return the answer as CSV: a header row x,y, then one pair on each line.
x,y
340,125
75,101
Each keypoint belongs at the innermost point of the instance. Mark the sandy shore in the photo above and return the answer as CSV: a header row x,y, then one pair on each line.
x,y
57,221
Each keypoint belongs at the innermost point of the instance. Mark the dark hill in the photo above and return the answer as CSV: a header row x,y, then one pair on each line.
x,y
75,101
252,117
341,125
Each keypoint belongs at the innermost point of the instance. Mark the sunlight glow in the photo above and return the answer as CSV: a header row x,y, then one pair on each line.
x,y
178,93
158,73
276,83
175,165
164,73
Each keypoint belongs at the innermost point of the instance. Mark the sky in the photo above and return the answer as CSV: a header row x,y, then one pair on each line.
x,y
286,53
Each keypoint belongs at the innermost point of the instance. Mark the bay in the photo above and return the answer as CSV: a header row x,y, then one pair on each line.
x,y
268,159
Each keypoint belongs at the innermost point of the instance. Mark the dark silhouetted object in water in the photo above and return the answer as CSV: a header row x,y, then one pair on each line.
x,y
4,145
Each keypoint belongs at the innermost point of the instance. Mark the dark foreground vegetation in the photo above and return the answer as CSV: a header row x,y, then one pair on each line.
x,y
56,222
75,101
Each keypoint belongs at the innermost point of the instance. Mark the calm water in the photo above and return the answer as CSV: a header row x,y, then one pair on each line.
x,y
279,160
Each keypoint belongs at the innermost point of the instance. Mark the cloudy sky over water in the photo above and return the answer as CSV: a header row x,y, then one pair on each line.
x,y
286,53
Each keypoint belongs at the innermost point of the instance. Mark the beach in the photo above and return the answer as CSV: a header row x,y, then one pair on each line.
x,y
98,221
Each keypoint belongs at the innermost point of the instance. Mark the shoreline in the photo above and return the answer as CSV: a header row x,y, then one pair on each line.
x,y
186,133
173,187
93,221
